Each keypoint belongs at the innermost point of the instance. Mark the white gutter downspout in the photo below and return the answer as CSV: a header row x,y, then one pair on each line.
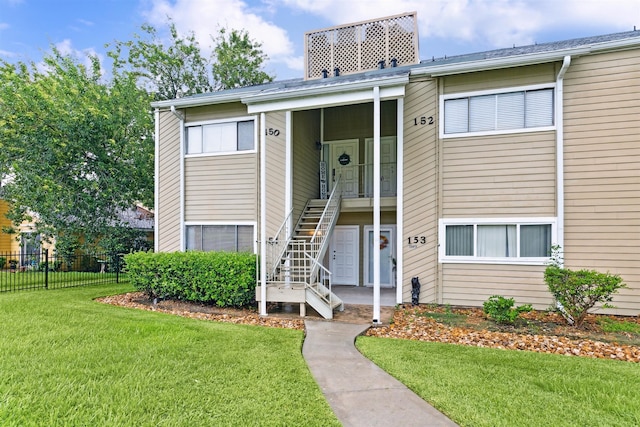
x,y
376,205
156,194
180,116
263,215
559,102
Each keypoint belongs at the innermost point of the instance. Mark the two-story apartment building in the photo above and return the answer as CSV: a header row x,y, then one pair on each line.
x,y
377,167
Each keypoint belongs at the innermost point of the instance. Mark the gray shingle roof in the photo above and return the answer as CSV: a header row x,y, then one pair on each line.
x,y
301,84
534,48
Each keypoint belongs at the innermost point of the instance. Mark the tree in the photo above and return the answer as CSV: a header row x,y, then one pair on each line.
x,y
75,151
237,60
178,68
172,71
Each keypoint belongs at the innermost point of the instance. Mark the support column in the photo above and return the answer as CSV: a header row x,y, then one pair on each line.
x,y
288,189
399,199
263,215
376,205
288,164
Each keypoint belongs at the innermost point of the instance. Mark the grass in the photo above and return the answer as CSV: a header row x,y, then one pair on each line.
x,y
70,361
490,387
609,325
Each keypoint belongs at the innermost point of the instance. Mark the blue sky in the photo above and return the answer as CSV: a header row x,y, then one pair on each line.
x,y
446,27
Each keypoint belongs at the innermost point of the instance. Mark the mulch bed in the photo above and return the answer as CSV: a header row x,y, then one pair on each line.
x,y
538,331
202,311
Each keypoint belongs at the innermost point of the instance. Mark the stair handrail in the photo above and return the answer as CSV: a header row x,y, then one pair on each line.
x,y
282,237
318,265
325,226
332,203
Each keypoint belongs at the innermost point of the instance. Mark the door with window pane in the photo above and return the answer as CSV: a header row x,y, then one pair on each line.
x,y
387,256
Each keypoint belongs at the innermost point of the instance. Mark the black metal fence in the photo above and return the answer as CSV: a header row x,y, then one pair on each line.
x,y
48,270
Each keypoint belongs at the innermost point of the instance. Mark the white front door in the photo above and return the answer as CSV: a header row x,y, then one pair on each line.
x,y
388,167
347,151
387,255
344,255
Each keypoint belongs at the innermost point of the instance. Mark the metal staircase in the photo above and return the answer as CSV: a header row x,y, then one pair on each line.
x,y
295,263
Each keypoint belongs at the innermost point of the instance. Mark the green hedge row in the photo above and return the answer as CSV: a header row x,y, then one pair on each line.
x,y
221,278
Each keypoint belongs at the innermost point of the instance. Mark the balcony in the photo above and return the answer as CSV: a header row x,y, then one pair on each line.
x,y
357,186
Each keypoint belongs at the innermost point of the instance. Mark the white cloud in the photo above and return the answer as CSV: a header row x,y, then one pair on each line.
x,y
65,47
86,23
468,24
8,54
496,23
205,18
3,26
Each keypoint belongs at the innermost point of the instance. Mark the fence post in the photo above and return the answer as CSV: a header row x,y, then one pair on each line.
x,y
46,268
117,268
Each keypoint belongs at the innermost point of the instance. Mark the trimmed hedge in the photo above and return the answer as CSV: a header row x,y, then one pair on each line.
x,y
221,278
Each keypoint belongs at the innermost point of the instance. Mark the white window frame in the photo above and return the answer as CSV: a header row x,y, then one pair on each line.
x,y
517,221
216,122
444,98
235,223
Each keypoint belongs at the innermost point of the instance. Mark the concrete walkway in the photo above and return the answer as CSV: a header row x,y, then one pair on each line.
x,y
360,393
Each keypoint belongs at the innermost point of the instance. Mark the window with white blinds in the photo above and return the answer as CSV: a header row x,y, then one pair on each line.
x,y
508,240
522,109
221,137
233,238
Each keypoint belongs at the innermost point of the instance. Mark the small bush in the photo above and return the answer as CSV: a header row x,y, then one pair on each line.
x,y
221,278
502,310
578,291
3,262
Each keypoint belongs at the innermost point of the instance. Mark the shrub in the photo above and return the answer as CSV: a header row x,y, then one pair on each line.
x,y
578,291
220,278
502,310
3,262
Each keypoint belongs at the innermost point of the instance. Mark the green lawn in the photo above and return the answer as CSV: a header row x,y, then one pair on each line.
x,y
490,387
66,360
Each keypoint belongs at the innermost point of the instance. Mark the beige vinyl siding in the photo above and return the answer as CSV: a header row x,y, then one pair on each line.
x,y
499,175
420,190
306,158
215,112
168,209
472,284
356,121
221,188
602,169
275,173
500,79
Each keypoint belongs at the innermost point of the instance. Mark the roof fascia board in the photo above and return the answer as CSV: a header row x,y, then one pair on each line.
x,y
209,99
497,63
616,44
327,89
521,60
325,100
